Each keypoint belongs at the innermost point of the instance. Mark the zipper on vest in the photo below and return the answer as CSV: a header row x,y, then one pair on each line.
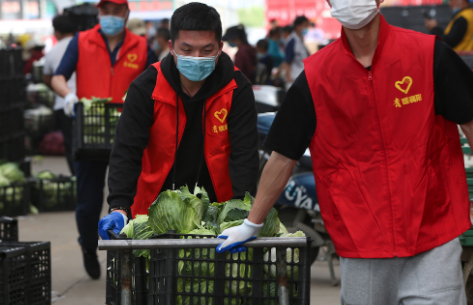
x,y
370,78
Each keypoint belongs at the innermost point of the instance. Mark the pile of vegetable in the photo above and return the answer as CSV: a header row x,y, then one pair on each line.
x,y
193,214
55,190
11,190
94,120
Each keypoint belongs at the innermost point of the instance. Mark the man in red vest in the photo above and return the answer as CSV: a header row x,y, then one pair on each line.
x,y
188,120
106,59
379,109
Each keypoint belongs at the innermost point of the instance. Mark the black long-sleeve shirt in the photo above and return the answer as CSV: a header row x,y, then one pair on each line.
x,y
132,134
295,124
456,34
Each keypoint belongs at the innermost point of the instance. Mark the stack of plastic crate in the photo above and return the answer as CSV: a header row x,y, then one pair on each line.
x,y
25,268
12,102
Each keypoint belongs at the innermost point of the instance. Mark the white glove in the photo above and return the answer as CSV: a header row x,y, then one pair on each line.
x,y
69,102
237,236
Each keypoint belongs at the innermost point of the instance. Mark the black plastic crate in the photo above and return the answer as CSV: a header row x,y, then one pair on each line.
x,y
94,131
12,93
4,125
14,199
13,275
38,254
202,276
25,166
53,195
11,63
16,123
44,97
14,150
8,229
139,285
38,125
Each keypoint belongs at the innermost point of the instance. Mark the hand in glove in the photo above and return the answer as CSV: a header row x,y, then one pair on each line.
x,y
114,221
69,103
237,236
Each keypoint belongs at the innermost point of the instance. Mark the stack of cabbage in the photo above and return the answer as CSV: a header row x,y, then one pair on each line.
x,y
188,213
11,191
94,120
54,191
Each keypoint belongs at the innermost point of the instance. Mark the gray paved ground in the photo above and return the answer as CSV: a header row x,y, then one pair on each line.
x,y
70,283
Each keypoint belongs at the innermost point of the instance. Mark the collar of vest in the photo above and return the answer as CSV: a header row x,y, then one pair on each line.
x,y
129,42
166,94
384,31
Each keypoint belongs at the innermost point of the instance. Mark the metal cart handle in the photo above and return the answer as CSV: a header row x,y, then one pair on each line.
x,y
300,242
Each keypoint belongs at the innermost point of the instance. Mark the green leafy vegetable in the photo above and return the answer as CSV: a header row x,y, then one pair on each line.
x,y
231,224
128,229
89,102
142,231
282,229
210,220
271,225
234,209
3,181
12,172
176,210
45,175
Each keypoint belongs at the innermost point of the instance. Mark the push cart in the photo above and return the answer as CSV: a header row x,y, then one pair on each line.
x,y
185,269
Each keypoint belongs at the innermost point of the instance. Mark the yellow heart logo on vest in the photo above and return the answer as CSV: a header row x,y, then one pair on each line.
x,y
406,83
132,57
221,115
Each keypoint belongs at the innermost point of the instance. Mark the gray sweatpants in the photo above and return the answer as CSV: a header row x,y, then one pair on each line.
x,y
430,278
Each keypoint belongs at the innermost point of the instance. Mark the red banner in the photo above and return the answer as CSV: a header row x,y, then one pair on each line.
x,y
318,11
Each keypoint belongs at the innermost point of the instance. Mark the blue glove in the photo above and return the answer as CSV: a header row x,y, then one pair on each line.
x,y
114,221
237,236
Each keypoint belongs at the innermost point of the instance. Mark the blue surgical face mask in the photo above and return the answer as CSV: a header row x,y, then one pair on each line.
x,y
155,46
112,25
196,68
231,44
305,31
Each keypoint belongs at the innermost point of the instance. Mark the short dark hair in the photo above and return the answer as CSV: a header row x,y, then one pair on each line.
x,y
64,25
300,20
276,31
287,29
165,21
262,44
163,32
196,17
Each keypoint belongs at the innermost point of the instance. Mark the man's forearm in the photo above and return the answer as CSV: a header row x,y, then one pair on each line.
x,y
287,67
59,84
275,175
468,131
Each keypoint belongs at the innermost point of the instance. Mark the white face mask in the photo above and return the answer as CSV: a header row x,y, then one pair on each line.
x,y
354,14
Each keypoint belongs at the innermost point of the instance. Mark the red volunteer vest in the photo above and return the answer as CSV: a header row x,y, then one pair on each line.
x,y
389,172
95,75
159,155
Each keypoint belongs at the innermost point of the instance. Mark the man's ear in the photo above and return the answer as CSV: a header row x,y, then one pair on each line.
x,y
329,4
221,46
